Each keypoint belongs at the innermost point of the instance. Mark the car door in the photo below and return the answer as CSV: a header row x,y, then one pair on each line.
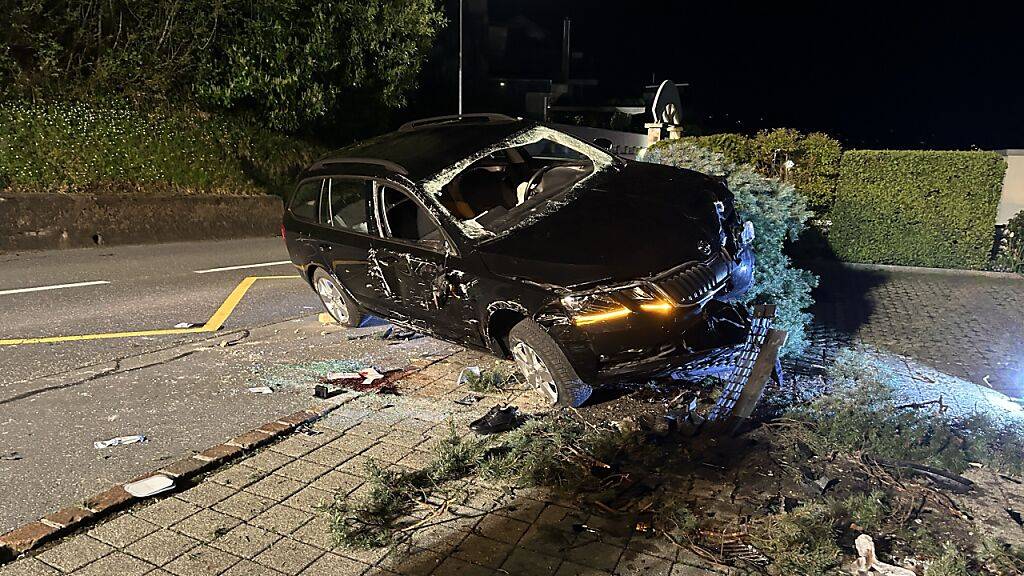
x,y
345,235
421,268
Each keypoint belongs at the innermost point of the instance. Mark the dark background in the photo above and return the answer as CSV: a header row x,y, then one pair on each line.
x,y
879,75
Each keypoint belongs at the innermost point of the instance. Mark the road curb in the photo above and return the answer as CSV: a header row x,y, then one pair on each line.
x,y
102,504
914,269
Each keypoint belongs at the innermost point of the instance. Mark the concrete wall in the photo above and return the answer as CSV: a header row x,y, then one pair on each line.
x,y
48,221
1012,200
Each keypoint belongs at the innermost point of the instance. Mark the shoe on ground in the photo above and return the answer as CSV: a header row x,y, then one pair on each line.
x,y
498,419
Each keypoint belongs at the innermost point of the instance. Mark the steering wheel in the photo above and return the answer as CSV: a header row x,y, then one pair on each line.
x,y
534,181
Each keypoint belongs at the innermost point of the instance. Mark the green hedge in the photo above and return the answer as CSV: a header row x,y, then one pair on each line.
x,y
815,157
121,149
917,208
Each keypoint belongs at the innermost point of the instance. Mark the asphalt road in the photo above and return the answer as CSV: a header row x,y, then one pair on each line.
x,y
184,392
148,287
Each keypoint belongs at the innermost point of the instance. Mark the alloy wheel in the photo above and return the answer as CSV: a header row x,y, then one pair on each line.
x,y
533,368
331,296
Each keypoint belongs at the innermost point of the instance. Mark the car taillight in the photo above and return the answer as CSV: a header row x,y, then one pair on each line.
x,y
282,232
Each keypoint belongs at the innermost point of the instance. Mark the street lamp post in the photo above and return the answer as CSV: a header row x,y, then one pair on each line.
x,y
460,57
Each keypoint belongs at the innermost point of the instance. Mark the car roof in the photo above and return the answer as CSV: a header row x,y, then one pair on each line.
x,y
421,149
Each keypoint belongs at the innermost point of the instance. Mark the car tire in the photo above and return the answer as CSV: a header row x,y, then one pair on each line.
x,y
544,365
335,299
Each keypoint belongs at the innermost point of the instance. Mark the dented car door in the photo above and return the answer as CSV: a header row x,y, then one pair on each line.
x,y
345,239
419,268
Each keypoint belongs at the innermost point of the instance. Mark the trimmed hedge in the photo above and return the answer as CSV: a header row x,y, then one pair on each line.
x,y
917,208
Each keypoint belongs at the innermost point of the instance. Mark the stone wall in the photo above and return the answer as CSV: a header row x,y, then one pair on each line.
x,y
49,221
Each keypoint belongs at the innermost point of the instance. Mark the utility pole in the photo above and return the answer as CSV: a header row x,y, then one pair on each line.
x,y
460,57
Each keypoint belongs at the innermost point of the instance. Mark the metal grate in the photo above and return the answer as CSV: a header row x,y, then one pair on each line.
x,y
693,283
760,324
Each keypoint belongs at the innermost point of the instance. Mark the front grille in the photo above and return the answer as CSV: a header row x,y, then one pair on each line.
x,y
693,282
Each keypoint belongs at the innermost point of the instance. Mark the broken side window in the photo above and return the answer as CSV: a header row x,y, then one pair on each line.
x,y
305,201
406,220
347,207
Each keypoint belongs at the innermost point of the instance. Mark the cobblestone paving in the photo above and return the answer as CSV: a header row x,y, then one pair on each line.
x,y
261,516
968,326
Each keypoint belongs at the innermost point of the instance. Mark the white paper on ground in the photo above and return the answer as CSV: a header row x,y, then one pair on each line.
x,y
119,441
149,486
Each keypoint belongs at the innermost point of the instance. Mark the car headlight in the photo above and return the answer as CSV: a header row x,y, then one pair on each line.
x,y
591,308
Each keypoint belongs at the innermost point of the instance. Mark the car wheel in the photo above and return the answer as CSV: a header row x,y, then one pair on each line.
x,y
544,365
335,300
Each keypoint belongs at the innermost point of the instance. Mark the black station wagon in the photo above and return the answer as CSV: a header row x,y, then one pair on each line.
x,y
510,236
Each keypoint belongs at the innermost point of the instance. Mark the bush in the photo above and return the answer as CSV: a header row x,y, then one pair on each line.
x,y
778,214
815,163
815,159
77,148
861,415
1010,254
917,208
294,64
736,148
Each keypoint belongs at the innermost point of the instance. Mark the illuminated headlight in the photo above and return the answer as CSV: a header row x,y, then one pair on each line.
x,y
606,306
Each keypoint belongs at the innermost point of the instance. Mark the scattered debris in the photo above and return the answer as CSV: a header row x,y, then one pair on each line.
x,y
400,334
119,441
307,430
954,483
261,390
1016,516
367,375
149,486
733,549
188,325
325,391
467,373
325,318
364,380
11,456
868,561
469,399
498,419
825,483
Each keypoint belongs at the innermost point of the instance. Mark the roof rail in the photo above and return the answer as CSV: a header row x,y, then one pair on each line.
x,y
456,119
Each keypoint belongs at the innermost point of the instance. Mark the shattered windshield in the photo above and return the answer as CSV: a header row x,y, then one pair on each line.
x,y
507,185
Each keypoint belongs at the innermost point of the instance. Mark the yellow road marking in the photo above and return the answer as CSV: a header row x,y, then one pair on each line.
x,y
212,325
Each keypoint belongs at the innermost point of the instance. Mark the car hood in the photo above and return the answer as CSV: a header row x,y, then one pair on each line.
x,y
623,223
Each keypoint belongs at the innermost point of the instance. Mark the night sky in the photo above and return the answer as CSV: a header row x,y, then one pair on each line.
x,y
883,75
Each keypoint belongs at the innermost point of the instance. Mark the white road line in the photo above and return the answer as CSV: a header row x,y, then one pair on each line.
x,y
53,287
242,267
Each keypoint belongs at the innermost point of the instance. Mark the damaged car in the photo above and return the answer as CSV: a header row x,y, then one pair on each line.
x,y
510,236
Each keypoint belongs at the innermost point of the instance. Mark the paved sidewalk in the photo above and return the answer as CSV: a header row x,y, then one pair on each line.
x,y
965,325
260,515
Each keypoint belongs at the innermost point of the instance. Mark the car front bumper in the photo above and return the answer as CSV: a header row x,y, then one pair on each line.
x,y
649,345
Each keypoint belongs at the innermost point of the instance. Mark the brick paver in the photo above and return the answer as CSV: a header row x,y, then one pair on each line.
x,y
965,325
262,515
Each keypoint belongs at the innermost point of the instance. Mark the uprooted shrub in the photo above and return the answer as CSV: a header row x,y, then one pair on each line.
x,y
860,415
778,214
557,451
